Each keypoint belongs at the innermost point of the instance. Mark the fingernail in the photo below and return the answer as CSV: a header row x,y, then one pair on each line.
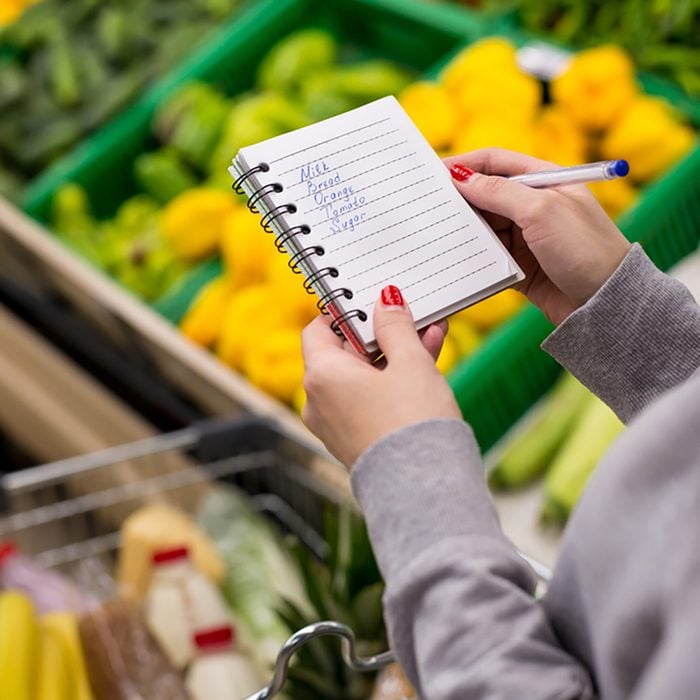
x,y
391,296
459,172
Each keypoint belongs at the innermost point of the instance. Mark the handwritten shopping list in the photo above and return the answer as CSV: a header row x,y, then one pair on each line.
x,y
383,207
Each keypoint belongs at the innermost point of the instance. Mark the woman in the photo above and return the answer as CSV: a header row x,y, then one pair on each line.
x,y
621,618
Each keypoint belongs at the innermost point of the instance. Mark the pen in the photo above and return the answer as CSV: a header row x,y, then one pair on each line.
x,y
591,172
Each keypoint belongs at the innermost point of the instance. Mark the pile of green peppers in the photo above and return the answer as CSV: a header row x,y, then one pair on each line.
x,y
300,81
663,36
67,67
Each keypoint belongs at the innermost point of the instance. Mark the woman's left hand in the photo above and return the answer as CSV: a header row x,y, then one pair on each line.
x,y
352,403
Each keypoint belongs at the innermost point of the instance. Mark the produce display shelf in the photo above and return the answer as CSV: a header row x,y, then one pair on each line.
x,y
410,32
509,372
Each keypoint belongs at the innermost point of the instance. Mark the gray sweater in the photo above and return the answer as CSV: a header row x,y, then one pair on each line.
x,y
621,617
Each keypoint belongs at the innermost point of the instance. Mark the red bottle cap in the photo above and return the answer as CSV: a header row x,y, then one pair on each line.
x,y
215,638
7,550
165,556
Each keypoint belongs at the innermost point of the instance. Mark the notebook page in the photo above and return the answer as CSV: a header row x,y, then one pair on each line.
x,y
382,205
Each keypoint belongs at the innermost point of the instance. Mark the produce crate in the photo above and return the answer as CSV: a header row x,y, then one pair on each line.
x,y
509,372
121,90
410,32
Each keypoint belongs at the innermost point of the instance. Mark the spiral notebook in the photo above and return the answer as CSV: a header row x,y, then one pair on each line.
x,y
360,201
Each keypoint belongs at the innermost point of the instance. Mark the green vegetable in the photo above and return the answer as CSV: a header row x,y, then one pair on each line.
x,y
371,80
192,122
65,83
163,175
596,429
293,58
661,35
82,61
72,220
253,119
530,453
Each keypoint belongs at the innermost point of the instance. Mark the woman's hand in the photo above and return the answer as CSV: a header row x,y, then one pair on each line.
x,y
351,403
562,239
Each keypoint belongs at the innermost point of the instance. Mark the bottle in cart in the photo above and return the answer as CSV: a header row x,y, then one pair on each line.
x,y
219,671
180,600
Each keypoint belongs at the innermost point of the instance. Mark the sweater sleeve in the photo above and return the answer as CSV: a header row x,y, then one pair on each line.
x,y
459,602
637,337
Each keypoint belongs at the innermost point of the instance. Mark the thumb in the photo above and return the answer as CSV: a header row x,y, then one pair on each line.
x,y
497,195
394,327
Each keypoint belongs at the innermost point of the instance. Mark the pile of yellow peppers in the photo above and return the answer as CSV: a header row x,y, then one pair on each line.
x,y
252,315
10,10
596,111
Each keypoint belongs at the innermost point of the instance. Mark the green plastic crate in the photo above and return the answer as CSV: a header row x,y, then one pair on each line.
x,y
410,32
498,383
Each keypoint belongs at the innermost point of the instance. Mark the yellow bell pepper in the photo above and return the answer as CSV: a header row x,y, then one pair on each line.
x,y
193,222
203,320
463,334
493,311
249,316
11,10
596,87
648,135
488,132
247,250
494,55
511,96
449,356
615,196
297,304
430,107
558,138
276,365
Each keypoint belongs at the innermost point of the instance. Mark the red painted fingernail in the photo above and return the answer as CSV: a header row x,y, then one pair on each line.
x,y
459,172
391,296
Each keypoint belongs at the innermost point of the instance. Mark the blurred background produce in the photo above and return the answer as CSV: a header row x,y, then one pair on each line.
x,y
227,568
68,67
660,35
187,214
593,110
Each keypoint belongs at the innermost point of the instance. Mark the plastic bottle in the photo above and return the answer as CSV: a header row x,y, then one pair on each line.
x,y
180,600
219,671
49,590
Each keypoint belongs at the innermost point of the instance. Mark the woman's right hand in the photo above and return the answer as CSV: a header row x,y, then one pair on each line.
x,y
565,243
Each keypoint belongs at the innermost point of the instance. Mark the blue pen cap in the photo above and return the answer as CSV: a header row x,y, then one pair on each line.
x,y
619,168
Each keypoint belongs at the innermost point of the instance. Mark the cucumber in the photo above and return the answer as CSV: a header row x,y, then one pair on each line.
x,y
577,459
529,454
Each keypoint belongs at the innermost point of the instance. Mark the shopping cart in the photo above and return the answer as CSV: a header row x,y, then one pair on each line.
x,y
66,512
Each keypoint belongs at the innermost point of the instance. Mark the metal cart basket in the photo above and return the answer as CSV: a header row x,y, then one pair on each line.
x,y
65,512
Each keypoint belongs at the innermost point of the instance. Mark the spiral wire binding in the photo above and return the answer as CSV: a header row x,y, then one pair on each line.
x,y
288,234
238,182
304,254
274,214
263,192
331,296
318,275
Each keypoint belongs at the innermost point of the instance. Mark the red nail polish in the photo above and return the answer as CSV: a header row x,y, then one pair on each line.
x,y
391,296
459,172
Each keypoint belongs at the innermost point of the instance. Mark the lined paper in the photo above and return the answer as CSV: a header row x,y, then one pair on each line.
x,y
382,205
